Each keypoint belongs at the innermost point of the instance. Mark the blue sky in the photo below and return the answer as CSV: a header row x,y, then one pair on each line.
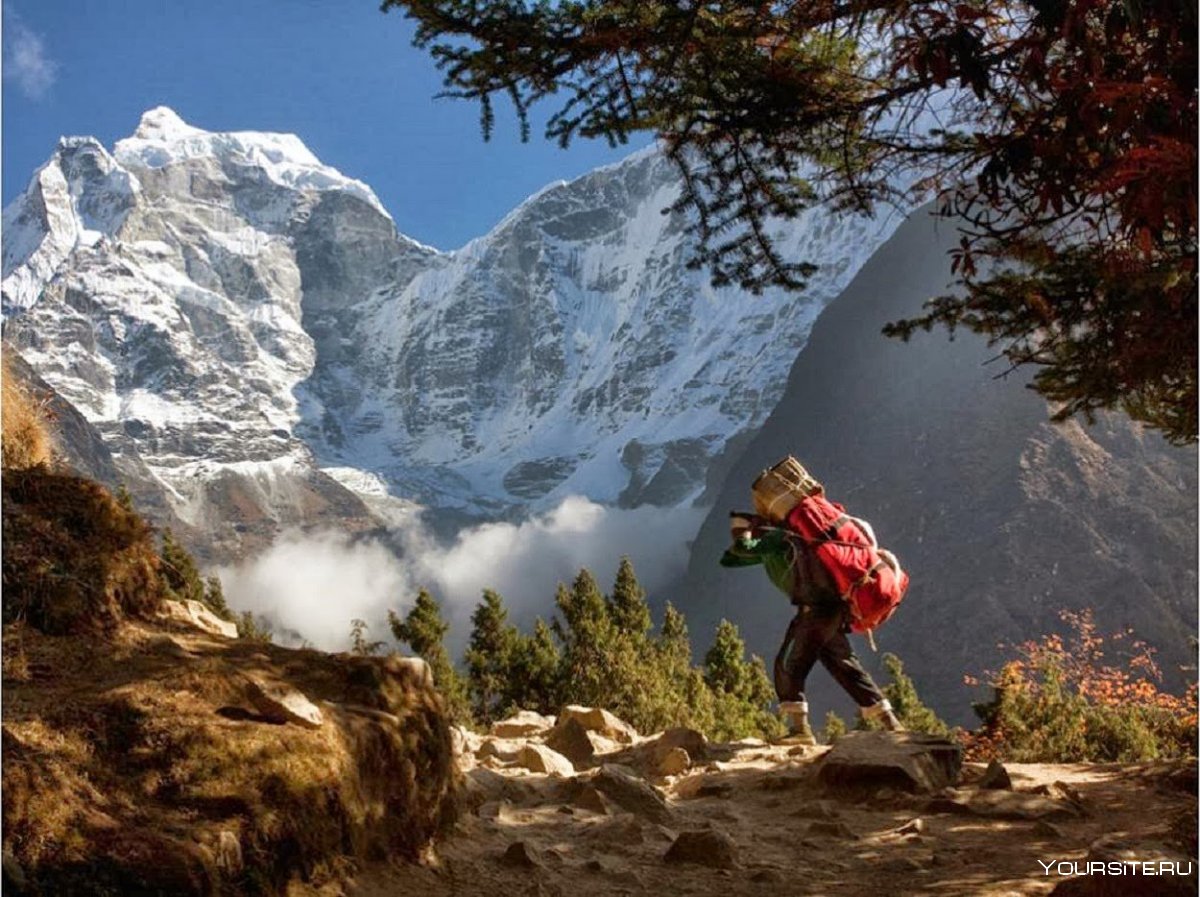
x,y
339,73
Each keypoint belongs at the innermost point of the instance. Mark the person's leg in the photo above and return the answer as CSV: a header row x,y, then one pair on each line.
x,y
796,657
839,658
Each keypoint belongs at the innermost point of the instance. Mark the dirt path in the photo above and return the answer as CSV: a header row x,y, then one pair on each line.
x,y
528,833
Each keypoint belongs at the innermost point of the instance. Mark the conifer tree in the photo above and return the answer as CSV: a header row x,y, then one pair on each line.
x,y
489,657
214,598
588,641
534,682
424,631
906,703
359,644
1066,157
725,667
179,570
627,605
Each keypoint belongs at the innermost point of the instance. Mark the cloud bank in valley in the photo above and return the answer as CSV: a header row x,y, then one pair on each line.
x,y
314,585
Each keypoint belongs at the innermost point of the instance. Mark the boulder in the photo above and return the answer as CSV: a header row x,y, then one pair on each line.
x,y
196,614
690,740
996,778
600,721
590,798
539,758
705,847
521,855
674,762
907,761
506,751
573,741
522,725
631,794
281,703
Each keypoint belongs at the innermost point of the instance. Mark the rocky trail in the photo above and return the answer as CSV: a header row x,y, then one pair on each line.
x,y
588,806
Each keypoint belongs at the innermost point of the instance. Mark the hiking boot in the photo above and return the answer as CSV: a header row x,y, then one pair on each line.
x,y
882,712
799,731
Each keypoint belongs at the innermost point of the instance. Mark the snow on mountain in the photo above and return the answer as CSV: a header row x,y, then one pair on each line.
x,y
223,306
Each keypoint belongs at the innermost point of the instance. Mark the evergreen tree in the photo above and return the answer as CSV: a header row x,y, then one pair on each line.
x,y
835,727
627,605
214,598
588,637
358,639
906,703
534,682
424,631
252,628
179,571
490,657
1068,163
725,667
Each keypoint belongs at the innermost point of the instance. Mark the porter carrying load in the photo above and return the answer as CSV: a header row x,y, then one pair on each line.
x,y
869,578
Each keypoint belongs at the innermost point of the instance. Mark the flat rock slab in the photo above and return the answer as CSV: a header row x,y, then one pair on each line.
x,y
196,614
907,761
282,703
706,847
1015,805
631,794
522,725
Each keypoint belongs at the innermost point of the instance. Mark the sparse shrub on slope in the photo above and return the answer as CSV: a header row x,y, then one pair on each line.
x,y
74,559
1063,701
26,438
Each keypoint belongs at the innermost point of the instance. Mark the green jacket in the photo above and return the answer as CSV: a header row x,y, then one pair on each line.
x,y
789,564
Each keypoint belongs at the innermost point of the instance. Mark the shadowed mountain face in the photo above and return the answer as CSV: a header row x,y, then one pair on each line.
x,y
1002,518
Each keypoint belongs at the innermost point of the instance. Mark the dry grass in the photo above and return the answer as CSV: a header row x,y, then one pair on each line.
x,y
74,560
126,760
25,440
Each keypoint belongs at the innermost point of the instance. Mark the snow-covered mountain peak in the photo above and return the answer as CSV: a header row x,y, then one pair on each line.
x,y
163,123
163,139
223,302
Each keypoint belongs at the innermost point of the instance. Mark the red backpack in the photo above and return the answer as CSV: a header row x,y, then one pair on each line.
x,y
871,582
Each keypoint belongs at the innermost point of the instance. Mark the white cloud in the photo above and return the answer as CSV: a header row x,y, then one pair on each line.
x,y
25,60
314,585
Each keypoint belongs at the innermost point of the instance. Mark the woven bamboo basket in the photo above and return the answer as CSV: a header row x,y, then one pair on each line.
x,y
780,488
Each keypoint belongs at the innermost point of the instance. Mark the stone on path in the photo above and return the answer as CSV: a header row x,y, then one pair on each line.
x,y
282,703
521,855
1015,805
907,761
996,777
522,725
631,794
600,721
674,762
571,739
705,847
539,758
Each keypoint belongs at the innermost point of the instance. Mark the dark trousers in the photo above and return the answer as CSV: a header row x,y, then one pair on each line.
x,y
814,636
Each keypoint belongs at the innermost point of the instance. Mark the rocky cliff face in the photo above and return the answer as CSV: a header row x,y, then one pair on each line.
x,y
1002,517
247,323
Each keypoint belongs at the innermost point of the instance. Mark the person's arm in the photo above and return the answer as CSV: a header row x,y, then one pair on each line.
x,y
752,546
